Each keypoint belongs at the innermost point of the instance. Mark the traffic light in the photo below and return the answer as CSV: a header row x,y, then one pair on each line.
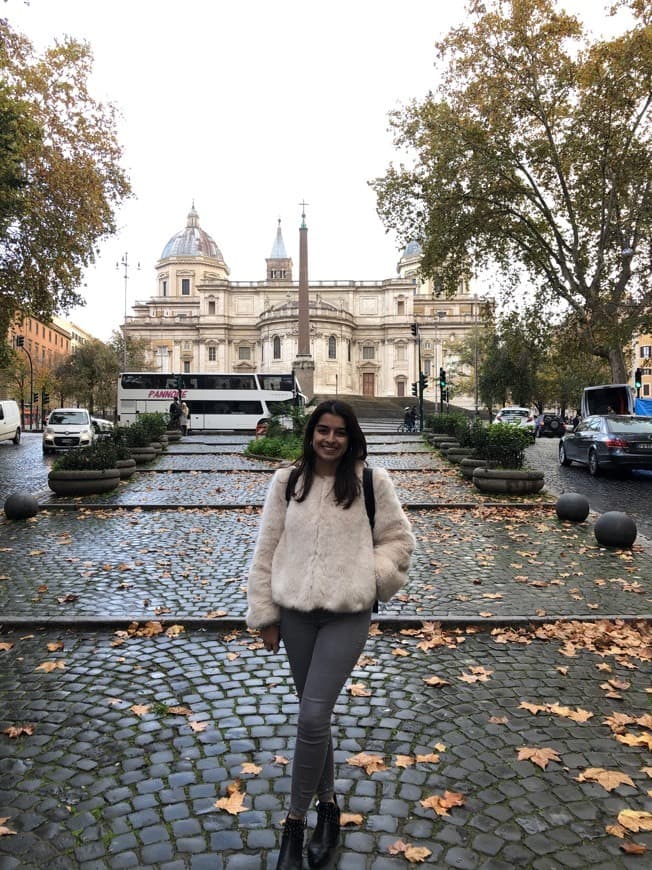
x,y
415,389
45,398
20,340
442,378
638,378
423,382
36,397
444,394
414,329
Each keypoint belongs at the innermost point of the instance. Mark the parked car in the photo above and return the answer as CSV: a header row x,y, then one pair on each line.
x,y
609,441
66,428
9,421
549,423
517,416
103,429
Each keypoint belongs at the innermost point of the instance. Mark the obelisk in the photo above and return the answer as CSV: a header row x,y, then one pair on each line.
x,y
304,365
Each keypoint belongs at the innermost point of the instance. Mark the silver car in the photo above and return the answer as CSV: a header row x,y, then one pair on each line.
x,y
609,441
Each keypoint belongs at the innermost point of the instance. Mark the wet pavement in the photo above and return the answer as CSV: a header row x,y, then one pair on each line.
x,y
138,699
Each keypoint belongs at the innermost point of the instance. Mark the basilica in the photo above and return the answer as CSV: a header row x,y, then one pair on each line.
x,y
361,333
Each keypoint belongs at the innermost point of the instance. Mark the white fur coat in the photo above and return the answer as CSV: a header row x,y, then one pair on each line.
x,y
316,554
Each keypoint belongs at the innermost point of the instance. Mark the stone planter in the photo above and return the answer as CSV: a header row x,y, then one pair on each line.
x,y
173,435
467,466
143,455
446,445
126,467
164,440
457,454
507,481
77,483
436,440
158,447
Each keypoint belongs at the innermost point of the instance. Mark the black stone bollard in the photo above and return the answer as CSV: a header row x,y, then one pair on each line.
x,y
20,505
572,506
615,529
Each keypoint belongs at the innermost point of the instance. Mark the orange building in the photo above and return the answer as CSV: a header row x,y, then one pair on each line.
x,y
643,361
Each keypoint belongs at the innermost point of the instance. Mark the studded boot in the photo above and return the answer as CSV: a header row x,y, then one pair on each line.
x,y
326,836
290,856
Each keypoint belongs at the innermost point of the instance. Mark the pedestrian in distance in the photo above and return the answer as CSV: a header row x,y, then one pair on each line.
x,y
413,418
407,419
175,413
322,559
184,420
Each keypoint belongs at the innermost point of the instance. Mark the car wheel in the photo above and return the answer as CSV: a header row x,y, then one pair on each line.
x,y
594,465
16,438
563,459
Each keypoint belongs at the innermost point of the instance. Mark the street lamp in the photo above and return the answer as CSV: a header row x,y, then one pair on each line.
x,y
475,352
20,342
125,262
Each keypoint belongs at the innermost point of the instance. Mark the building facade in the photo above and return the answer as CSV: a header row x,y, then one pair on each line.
x,y
361,341
642,359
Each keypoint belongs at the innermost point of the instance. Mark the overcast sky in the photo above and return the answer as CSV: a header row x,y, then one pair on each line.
x,y
249,107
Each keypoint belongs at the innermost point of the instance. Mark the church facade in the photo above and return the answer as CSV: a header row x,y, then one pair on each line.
x,y
361,338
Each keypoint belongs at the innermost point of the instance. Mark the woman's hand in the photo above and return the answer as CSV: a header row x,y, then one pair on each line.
x,y
271,636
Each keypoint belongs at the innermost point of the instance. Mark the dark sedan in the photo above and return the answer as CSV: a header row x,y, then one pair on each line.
x,y
609,441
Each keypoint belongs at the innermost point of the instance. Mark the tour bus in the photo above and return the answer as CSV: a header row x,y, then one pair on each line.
x,y
215,401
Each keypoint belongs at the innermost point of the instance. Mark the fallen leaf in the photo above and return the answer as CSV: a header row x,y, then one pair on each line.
x,y
17,730
430,758
5,646
180,711
198,726
174,630
367,760
55,646
250,767
350,819
608,779
436,681
617,831
48,667
233,803
404,761
538,755
499,720
635,820
442,803
358,690
281,759
413,854
633,848
139,709
4,830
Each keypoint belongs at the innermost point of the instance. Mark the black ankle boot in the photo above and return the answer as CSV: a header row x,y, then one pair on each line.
x,y
290,856
326,835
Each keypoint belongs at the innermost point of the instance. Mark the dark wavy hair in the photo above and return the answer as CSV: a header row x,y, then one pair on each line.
x,y
347,484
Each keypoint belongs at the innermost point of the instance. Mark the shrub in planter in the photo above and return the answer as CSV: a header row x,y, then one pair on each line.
x,y
136,435
445,423
288,446
505,445
154,424
97,457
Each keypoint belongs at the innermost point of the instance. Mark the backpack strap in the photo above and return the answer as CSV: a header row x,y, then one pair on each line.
x,y
367,488
369,497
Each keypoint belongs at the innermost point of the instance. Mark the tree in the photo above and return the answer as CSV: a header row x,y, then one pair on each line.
x,y
60,165
90,375
536,156
137,348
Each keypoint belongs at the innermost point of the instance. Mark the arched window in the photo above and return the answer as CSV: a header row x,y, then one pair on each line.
x,y
332,347
276,347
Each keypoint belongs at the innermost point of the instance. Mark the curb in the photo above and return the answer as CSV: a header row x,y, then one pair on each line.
x,y
238,622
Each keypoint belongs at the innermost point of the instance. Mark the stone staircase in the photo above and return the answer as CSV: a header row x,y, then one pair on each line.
x,y
379,408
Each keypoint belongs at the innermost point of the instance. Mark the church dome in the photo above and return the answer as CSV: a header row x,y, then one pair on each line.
x,y
192,241
412,249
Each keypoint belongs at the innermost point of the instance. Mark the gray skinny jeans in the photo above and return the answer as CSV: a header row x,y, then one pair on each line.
x,y
322,648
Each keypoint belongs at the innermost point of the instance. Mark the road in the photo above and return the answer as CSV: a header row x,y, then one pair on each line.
x,y
605,493
25,467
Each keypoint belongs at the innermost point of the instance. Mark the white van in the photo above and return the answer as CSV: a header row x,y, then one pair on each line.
x,y
9,421
608,399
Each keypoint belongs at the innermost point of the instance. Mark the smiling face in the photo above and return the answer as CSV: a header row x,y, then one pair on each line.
x,y
330,442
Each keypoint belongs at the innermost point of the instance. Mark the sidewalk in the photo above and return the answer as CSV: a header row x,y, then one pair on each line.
x,y
138,731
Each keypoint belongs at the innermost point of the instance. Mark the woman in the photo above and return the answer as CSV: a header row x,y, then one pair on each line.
x,y
317,569
185,418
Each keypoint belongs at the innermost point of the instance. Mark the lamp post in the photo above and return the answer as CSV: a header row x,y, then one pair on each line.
x,y
20,342
125,263
475,353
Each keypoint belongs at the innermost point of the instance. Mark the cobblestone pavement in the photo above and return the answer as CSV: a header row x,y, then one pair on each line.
x,y
126,741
